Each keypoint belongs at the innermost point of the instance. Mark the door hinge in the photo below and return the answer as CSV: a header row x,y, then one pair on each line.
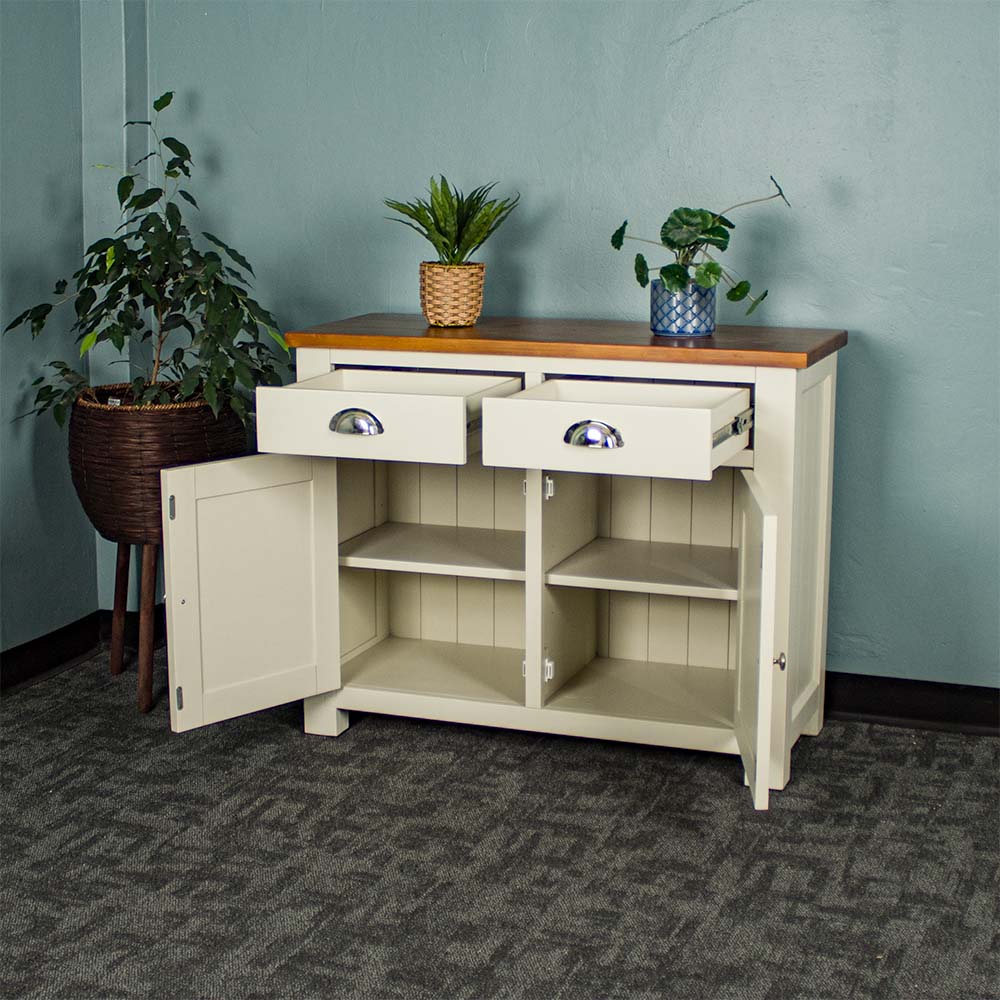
x,y
180,698
548,488
172,507
550,668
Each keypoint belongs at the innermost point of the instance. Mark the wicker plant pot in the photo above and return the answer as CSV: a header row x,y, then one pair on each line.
x,y
116,454
451,294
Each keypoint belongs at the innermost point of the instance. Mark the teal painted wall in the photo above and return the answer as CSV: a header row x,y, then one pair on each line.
x,y
47,560
879,119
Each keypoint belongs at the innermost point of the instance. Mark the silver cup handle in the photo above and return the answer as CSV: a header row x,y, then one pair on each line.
x,y
593,434
355,421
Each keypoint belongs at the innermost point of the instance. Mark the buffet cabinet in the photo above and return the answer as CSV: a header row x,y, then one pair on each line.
x,y
561,526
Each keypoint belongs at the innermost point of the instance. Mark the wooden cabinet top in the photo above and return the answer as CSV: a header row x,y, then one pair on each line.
x,y
764,346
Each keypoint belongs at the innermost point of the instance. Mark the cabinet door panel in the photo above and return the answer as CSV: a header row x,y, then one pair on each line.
x,y
758,531
250,557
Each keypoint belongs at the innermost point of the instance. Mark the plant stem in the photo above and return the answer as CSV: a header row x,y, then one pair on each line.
x,y
753,201
652,243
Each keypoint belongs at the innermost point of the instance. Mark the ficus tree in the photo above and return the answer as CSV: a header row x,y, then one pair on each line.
x,y
688,234
150,282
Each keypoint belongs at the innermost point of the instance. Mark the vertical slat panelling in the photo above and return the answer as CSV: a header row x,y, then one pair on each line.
x,y
708,633
604,622
404,605
380,500
604,506
630,498
438,608
668,629
475,611
508,604
670,513
404,492
475,495
508,503
629,632
438,495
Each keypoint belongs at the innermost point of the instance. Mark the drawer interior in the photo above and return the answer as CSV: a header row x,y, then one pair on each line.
x,y
701,397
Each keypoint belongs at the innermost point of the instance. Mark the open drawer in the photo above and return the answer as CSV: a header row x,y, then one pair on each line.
x,y
369,413
621,428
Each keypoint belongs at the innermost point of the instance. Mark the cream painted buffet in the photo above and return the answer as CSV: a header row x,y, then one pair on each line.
x,y
553,525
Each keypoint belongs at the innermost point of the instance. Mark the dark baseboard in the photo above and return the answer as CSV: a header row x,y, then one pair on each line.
x,y
62,648
896,701
49,652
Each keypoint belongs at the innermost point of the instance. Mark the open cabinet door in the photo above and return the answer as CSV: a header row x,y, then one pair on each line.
x,y
250,561
758,531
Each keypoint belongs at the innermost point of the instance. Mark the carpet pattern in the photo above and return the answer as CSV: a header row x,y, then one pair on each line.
x,y
425,860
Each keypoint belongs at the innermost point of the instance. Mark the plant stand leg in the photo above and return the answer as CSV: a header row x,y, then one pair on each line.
x,y
121,603
147,600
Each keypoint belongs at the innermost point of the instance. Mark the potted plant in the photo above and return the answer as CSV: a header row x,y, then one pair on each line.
x,y
683,297
456,225
148,286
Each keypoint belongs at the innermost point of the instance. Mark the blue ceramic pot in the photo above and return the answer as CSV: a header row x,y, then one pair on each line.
x,y
690,313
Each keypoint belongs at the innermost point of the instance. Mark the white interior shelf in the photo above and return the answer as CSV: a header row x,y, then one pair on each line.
x,y
444,669
485,553
652,568
659,692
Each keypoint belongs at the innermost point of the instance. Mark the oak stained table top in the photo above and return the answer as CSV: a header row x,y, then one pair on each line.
x,y
615,340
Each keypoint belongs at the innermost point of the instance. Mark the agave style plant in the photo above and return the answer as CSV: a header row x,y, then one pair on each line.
x,y
148,282
687,234
455,224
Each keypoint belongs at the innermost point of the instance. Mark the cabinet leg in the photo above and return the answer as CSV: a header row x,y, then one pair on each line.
x,y
121,605
323,718
147,600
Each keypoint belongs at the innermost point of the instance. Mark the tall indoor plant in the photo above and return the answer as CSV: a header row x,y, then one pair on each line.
x,y
456,225
147,288
682,298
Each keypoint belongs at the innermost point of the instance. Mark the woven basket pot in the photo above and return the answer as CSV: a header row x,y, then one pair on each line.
x,y
116,454
451,294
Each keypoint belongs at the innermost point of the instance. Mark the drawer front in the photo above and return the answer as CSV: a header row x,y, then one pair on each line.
x,y
393,416
669,432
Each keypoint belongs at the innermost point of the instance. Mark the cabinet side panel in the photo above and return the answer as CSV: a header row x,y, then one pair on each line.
x,y
358,609
355,497
811,544
569,518
569,632
509,614
508,500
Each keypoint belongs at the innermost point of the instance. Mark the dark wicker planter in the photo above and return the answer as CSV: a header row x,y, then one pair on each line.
x,y
116,454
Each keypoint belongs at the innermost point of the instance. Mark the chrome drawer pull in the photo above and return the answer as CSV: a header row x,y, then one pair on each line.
x,y
593,434
355,421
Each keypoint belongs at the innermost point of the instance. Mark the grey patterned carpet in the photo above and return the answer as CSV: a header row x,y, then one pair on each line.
x,y
421,860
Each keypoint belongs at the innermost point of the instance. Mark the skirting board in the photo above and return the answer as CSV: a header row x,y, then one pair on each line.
x,y
55,651
858,697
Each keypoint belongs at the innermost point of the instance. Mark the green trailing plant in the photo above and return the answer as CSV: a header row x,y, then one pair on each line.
x,y
149,283
455,224
688,234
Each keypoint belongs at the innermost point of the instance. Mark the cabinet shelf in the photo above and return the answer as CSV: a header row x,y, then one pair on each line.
x,y
442,669
438,549
658,692
668,568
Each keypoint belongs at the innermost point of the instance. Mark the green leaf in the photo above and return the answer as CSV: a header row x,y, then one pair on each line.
x,y
60,287
109,258
684,227
144,200
708,274
618,236
234,255
716,236
177,147
187,197
757,301
173,214
148,288
738,292
641,270
100,246
125,186
278,339
212,397
163,100
137,121
88,342
243,374
674,277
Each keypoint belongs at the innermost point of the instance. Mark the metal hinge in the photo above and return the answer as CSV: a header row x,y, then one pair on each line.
x,y
180,698
548,488
172,507
740,424
550,668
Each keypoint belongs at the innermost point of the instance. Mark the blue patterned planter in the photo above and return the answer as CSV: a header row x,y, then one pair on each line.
x,y
690,313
